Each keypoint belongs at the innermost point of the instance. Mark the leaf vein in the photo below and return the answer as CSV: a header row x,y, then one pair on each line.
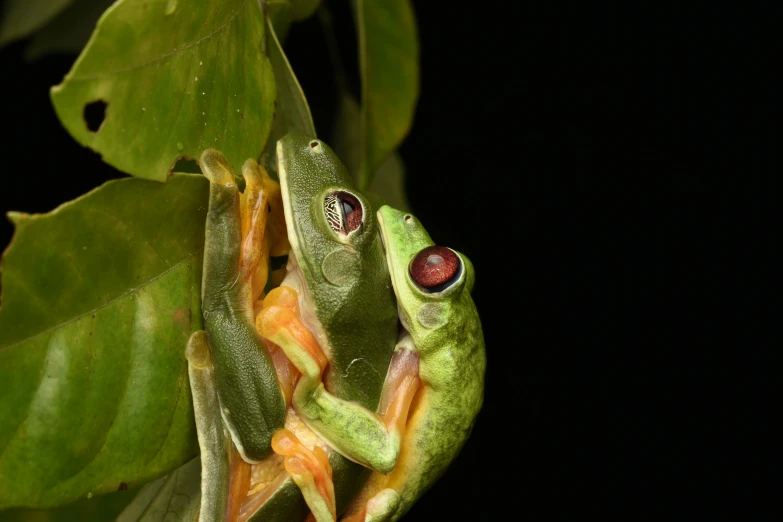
x,y
107,303
162,57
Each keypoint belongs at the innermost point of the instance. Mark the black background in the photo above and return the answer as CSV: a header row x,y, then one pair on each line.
x,y
604,169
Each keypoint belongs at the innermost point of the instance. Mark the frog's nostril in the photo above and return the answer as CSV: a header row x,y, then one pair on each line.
x,y
313,144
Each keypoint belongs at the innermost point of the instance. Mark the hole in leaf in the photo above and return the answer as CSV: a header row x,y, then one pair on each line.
x,y
186,165
95,114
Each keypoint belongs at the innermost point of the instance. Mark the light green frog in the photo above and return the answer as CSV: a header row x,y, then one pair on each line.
x,y
434,388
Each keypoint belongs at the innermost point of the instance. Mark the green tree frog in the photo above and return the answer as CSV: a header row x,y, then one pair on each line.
x,y
434,388
337,294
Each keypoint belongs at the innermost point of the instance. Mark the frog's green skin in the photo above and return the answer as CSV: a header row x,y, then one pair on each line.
x,y
345,299
251,400
445,330
345,293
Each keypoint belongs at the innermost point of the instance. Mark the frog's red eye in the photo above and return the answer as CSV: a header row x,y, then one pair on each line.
x,y
435,267
343,212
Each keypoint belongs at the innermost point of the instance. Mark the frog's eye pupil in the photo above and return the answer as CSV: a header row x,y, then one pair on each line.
x,y
347,207
435,267
343,212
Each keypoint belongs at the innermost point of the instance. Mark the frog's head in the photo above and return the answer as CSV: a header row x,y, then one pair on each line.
x,y
336,264
428,279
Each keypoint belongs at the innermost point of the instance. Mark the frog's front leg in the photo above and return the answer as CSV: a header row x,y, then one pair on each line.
x,y
352,430
263,226
250,397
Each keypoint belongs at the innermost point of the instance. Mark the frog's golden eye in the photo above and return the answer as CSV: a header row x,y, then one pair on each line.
x,y
343,212
435,268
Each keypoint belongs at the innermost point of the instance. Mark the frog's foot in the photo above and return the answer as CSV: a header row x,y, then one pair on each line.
x,y
380,508
400,387
280,323
311,471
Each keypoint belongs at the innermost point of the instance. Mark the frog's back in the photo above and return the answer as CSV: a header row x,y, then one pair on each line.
x,y
445,409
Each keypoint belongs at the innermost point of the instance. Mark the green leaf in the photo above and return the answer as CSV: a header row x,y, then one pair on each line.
x,y
99,299
388,180
23,17
284,12
279,12
303,9
389,183
177,77
389,63
346,134
69,31
174,498
97,509
293,113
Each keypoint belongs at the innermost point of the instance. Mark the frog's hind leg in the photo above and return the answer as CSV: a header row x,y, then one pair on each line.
x,y
311,471
251,401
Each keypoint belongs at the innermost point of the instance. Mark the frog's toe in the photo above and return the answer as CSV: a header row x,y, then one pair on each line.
x,y
310,470
284,296
383,506
216,167
380,508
